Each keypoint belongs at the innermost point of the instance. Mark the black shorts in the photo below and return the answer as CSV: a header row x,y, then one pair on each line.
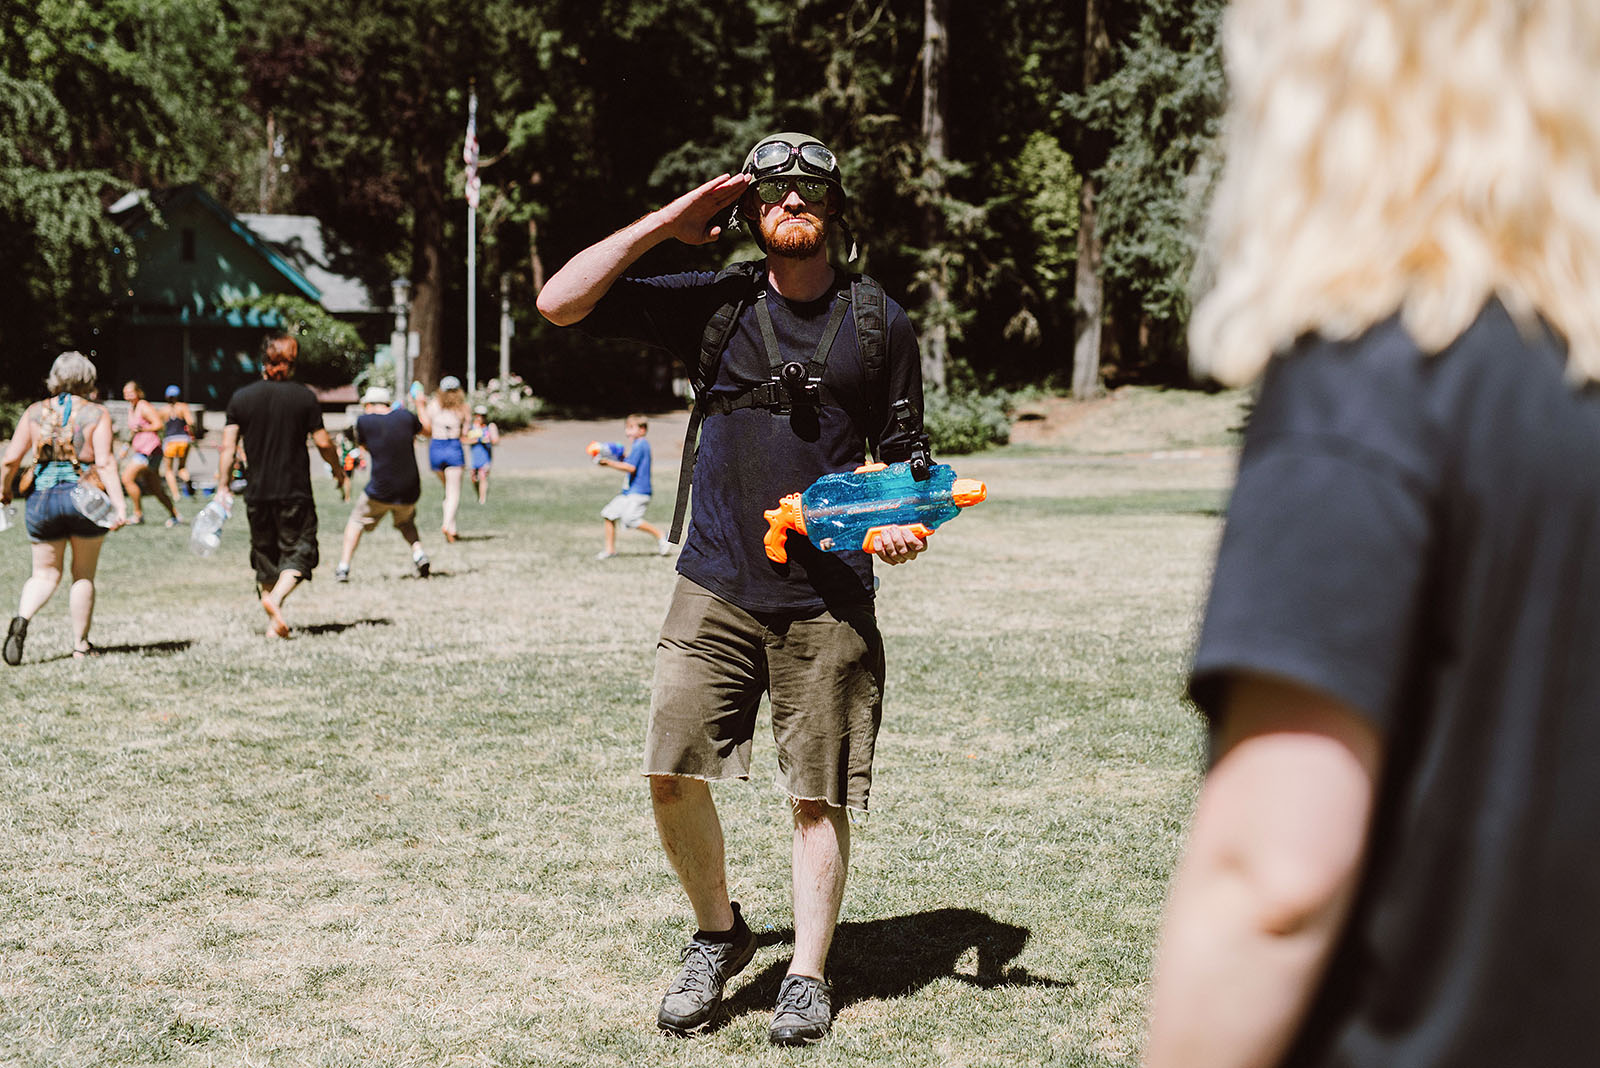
x,y
283,537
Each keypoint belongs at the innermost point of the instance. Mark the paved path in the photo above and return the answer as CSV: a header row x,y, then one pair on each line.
x,y
560,444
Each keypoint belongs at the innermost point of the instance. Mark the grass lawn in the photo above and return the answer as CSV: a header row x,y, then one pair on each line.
x,y
416,834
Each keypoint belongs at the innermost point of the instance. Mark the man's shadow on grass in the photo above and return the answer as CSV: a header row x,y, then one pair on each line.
x,y
890,958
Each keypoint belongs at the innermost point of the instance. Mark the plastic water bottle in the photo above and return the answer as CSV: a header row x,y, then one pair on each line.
x,y
94,504
8,516
205,533
846,510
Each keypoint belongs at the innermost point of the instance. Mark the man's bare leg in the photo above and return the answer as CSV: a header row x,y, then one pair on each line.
x,y
272,602
691,836
821,862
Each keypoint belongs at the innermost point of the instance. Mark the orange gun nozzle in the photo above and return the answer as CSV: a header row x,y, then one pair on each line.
x,y
780,520
593,448
967,492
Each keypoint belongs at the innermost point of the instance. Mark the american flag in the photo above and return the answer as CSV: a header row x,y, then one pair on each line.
x,y
469,152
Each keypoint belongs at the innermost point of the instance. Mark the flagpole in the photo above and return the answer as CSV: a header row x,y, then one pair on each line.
x,y
472,237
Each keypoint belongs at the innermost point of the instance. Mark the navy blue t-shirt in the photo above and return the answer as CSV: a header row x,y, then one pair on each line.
x,y
1419,537
751,458
389,438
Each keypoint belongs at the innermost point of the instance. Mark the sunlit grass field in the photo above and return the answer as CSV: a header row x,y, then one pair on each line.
x,y
416,834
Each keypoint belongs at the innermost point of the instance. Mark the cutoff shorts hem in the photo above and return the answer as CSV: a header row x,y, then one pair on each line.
x,y
368,512
824,677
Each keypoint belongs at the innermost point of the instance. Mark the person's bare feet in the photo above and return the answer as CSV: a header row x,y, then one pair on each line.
x,y
278,627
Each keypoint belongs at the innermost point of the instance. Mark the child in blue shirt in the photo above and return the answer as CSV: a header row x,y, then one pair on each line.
x,y
628,506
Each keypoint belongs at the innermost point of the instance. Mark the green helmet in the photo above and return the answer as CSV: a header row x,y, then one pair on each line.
x,y
797,155
794,155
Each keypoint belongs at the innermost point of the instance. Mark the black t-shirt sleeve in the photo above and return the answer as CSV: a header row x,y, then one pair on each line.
x,y
667,311
1323,559
313,413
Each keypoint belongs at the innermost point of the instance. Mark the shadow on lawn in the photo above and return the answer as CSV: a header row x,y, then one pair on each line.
x,y
897,956
168,648
339,628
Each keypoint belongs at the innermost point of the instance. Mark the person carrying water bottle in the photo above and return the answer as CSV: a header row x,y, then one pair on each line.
x,y
70,440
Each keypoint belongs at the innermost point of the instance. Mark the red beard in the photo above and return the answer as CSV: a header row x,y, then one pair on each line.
x,y
795,237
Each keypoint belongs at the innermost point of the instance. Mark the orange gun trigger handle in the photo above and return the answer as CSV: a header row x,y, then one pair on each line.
x,y
865,469
780,520
870,543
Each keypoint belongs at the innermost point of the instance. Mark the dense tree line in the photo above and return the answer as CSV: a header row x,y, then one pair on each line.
x,y
1020,170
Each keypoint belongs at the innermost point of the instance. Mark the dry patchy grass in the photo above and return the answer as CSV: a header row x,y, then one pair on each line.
x,y
416,834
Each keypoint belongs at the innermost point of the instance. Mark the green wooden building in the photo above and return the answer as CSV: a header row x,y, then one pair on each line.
x,y
194,258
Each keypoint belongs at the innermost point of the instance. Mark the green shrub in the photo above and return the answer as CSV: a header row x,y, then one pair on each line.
x,y
960,421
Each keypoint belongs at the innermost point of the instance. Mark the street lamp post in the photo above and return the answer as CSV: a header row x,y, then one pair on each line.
x,y
401,292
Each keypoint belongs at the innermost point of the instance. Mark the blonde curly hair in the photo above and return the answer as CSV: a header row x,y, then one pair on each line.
x,y
1419,156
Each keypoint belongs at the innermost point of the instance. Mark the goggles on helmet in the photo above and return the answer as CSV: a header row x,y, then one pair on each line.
x,y
774,190
773,156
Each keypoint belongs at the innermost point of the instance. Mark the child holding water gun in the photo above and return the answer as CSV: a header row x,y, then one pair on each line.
x,y
628,506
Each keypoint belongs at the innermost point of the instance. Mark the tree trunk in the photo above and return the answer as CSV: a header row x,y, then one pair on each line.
x,y
1089,295
935,53
1089,291
535,262
427,264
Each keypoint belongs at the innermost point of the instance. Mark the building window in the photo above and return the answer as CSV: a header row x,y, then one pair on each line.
x,y
188,245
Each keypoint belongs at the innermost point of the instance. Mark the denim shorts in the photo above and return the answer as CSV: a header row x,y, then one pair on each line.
x,y
52,516
824,675
445,452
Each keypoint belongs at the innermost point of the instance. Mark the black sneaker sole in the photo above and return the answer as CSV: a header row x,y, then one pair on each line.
x,y
16,634
787,1037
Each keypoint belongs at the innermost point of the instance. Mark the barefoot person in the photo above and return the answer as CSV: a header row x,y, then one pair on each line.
x,y
272,418
69,438
447,417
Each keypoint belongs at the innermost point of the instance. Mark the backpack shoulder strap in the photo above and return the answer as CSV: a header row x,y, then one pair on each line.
x,y
871,306
739,279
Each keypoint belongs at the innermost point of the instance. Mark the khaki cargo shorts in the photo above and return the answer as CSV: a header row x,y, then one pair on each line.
x,y
367,512
824,675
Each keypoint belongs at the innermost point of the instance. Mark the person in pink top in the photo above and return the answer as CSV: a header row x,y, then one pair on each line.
x,y
144,426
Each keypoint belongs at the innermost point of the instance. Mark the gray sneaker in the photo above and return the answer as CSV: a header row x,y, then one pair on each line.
x,y
804,1013
707,966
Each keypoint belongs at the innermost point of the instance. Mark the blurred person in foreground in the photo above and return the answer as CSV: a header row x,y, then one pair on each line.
x,y
69,438
388,434
272,418
739,625
1393,858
